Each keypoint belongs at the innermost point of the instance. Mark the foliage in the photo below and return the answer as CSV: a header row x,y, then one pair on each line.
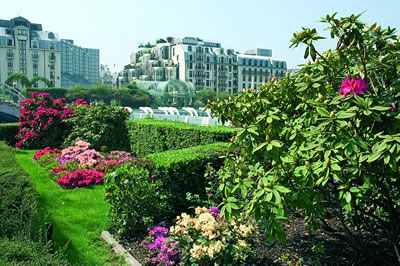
x,y
146,193
8,132
42,121
136,200
55,93
18,77
102,125
162,250
160,136
21,250
35,79
18,199
182,171
304,146
210,95
209,239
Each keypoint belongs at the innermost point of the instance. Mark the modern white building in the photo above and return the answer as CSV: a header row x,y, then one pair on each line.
x,y
106,77
206,64
26,48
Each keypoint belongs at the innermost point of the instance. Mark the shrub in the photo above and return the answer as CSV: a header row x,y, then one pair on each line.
x,y
22,250
102,125
153,191
55,93
152,136
41,121
324,141
8,132
80,178
208,239
182,171
45,151
136,200
17,196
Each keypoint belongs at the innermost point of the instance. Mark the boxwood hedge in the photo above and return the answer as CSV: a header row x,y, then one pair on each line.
x,y
8,132
152,136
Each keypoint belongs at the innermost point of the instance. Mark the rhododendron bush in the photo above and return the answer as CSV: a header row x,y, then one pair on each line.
x,y
41,121
326,137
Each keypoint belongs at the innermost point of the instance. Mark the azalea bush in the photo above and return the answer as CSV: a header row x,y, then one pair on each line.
x,y
42,121
324,142
162,250
79,166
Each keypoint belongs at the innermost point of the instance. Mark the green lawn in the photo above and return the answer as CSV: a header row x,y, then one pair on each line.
x,y
78,216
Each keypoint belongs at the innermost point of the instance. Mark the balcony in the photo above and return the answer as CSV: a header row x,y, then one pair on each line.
x,y
52,57
35,56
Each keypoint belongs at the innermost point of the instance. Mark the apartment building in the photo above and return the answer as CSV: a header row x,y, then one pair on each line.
x,y
26,48
206,64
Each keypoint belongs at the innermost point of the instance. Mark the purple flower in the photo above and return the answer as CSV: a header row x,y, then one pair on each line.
x,y
335,181
214,211
353,86
355,185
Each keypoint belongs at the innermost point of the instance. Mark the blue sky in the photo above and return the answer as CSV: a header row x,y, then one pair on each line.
x,y
117,27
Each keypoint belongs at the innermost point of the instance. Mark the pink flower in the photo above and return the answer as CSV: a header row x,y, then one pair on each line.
x,y
353,86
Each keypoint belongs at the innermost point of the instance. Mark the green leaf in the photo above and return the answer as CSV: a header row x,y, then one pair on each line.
x,y
343,115
322,111
276,143
348,197
373,157
282,189
259,147
380,108
335,167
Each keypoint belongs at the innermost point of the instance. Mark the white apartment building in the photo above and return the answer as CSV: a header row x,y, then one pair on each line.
x,y
25,48
203,63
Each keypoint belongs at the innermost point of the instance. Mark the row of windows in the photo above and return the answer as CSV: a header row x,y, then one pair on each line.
x,y
261,63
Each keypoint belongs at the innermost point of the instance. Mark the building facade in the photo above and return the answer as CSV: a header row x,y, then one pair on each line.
x,y
207,65
26,48
106,77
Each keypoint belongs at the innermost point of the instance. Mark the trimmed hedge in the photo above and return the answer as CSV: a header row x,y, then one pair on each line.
x,y
8,132
151,136
55,93
143,197
18,198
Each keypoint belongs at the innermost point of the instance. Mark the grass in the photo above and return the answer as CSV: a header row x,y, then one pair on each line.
x,y
78,215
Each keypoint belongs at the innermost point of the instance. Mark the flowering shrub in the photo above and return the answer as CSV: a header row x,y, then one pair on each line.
x,y
41,121
115,159
304,146
81,153
45,151
72,151
89,158
81,178
162,249
209,239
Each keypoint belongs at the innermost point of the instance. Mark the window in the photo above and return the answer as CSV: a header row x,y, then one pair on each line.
x,y
190,57
9,42
52,83
244,61
22,52
10,52
35,84
10,63
244,85
189,48
230,68
52,75
230,60
276,73
22,43
22,70
208,66
34,44
35,54
177,57
190,65
207,83
10,71
35,73
190,74
249,78
22,62
52,65
173,51
21,32
208,59
281,64
229,84
260,78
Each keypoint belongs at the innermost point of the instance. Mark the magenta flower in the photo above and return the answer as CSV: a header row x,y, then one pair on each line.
x,y
353,86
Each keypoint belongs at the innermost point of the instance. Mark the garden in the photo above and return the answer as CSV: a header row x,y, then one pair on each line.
x,y
307,175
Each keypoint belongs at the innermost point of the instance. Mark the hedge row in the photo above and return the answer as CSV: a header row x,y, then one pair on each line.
x,y
155,190
8,132
55,93
152,136
18,217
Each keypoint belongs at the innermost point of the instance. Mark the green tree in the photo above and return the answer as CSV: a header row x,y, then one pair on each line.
x,y
17,77
205,95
